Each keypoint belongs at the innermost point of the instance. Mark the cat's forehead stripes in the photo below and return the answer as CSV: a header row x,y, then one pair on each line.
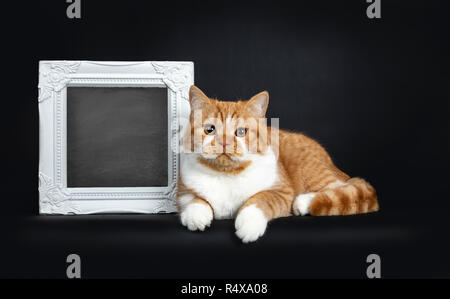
x,y
226,111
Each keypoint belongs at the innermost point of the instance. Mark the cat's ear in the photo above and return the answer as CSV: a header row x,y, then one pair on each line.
x,y
258,104
197,98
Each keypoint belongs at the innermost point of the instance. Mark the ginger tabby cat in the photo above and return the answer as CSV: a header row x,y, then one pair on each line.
x,y
234,166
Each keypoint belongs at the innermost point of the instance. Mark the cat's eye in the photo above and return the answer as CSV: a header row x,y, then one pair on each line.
x,y
209,129
241,132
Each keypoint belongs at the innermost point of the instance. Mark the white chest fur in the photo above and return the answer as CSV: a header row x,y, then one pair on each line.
x,y
226,192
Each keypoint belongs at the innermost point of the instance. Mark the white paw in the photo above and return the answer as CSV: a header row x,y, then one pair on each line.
x,y
250,224
302,203
196,216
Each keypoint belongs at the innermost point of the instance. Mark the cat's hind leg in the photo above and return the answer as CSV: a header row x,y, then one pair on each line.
x,y
302,203
354,196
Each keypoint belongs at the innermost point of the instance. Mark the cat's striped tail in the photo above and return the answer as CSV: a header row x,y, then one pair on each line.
x,y
355,196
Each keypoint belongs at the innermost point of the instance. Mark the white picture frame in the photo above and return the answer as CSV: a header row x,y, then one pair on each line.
x,y
54,78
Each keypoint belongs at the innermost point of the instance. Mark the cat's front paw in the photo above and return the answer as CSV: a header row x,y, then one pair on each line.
x,y
250,224
196,216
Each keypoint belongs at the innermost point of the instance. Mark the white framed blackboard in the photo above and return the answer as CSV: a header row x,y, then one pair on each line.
x,y
109,135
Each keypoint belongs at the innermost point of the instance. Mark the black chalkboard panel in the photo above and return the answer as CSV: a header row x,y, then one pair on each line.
x,y
117,137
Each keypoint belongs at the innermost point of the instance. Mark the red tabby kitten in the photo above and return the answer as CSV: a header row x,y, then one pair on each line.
x,y
234,166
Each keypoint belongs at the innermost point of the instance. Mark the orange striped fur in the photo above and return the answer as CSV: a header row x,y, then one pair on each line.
x,y
303,170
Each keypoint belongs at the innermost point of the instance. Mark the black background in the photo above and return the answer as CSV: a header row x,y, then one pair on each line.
x,y
373,92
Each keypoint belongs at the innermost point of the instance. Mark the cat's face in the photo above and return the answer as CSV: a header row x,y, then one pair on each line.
x,y
227,131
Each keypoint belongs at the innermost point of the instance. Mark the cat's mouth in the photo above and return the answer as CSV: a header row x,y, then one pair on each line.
x,y
217,157
225,163
224,158
231,157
